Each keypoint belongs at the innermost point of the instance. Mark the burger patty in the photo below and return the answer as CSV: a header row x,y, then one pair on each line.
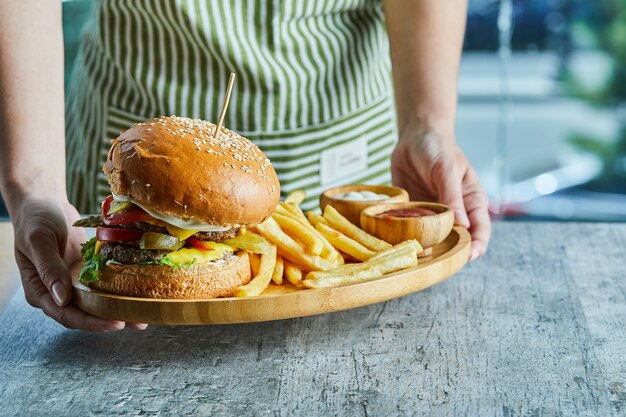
x,y
127,254
212,236
217,236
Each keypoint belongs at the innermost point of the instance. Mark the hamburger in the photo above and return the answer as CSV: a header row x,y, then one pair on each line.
x,y
181,199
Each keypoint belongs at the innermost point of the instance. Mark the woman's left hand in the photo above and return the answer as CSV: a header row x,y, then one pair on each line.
x,y
431,167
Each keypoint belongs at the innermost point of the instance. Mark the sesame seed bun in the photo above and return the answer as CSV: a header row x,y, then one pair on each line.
x,y
156,281
174,166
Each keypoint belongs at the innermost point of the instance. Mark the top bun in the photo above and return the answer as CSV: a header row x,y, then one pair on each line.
x,y
174,166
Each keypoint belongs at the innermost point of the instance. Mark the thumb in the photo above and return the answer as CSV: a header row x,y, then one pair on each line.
x,y
451,194
46,256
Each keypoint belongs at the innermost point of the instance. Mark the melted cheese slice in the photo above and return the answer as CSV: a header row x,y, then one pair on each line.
x,y
156,222
98,247
188,255
178,232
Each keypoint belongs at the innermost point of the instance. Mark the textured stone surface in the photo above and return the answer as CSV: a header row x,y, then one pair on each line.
x,y
536,328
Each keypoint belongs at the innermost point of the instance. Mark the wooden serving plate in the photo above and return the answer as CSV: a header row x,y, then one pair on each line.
x,y
284,301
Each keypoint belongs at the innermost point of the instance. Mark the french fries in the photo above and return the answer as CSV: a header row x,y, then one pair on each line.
x,y
329,253
292,209
295,197
405,257
317,251
279,269
339,257
261,280
293,273
409,243
294,228
255,262
344,243
343,225
282,210
315,218
290,249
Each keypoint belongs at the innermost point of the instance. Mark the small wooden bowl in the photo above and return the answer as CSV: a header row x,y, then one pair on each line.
x,y
429,230
351,209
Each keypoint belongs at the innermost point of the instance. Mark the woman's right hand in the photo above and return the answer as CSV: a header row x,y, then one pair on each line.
x,y
46,246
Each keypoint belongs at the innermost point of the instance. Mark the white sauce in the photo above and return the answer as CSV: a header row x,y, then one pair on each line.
x,y
176,221
361,195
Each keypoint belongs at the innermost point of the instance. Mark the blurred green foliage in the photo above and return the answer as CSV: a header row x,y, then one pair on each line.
x,y
604,28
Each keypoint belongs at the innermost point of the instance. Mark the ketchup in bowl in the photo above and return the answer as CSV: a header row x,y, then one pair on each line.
x,y
407,212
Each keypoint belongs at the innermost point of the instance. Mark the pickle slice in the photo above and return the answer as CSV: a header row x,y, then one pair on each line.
x,y
117,206
249,241
160,241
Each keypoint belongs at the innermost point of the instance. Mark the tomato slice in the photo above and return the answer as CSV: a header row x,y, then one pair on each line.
x,y
133,214
111,234
198,244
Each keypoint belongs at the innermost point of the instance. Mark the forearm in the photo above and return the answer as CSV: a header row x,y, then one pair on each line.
x,y
32,125
426,39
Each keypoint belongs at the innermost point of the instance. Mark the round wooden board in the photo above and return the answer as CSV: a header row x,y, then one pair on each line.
x,y
284,301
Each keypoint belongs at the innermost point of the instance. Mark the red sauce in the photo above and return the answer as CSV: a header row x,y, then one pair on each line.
x,y
408,212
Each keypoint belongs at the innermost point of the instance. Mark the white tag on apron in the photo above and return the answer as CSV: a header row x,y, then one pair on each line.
x,y
343,160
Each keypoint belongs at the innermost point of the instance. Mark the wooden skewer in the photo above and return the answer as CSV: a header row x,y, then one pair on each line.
x,y
229,91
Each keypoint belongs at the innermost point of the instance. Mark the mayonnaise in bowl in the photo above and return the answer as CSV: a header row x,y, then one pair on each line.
x,y
361,196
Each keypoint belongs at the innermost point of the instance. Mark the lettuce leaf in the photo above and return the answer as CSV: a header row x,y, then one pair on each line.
x,y
92,262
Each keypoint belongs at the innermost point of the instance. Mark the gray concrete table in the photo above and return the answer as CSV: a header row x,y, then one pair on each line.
x,y
537,327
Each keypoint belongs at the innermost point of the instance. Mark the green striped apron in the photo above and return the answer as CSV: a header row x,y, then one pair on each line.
x,y
313,87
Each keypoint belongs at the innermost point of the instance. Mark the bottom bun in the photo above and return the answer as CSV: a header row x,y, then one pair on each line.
x,y
162,281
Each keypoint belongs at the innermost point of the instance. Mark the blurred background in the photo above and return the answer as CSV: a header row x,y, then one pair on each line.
x,y
541,107
542,112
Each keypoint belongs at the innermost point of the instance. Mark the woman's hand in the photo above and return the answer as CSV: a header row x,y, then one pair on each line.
x,y
431,167
45,250
425,40
32,165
